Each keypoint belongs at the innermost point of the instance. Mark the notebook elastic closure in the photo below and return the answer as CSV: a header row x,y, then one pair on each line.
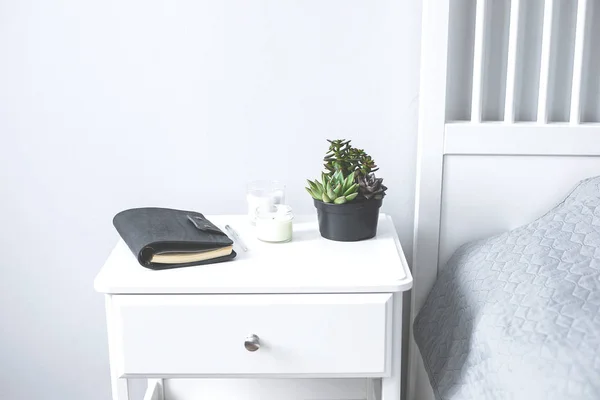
x,y
204,225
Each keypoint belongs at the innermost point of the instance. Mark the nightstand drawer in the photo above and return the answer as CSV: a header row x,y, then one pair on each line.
x,y
248,335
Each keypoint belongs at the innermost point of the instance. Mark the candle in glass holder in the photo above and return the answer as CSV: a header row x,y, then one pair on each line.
x,y
274,223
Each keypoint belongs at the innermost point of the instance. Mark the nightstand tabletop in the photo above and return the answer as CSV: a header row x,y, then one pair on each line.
x,y
307,264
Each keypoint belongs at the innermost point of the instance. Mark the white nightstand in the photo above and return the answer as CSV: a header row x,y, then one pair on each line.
x,y
311,308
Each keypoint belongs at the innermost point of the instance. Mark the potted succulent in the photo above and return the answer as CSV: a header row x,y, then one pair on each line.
x,y
349,196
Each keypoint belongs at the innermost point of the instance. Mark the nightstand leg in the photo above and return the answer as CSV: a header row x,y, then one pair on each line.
x,y
118,385
391,387
119,388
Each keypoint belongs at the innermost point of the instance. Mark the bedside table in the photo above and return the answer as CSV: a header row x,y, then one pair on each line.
x,y
311,308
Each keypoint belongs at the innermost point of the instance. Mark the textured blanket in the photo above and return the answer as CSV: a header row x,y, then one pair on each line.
x,y
516,316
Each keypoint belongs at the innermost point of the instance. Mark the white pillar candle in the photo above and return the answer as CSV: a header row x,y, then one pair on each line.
x,y
274,223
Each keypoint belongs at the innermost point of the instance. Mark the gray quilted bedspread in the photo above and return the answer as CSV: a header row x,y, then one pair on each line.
x,y
516,316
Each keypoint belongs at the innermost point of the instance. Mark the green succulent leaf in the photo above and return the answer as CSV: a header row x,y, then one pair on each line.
x,y
330,192
313,194
319,186
351,197
316,196
348,181
340,200
338,190
312,185
325,198
351,189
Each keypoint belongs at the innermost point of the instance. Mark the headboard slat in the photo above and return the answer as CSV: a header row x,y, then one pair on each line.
x,y
578,57
479,61
545,84
511,71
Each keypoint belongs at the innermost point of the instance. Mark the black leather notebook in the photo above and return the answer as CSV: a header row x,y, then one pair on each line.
x,y
163,238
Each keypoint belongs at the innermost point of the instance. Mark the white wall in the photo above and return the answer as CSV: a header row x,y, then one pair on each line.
x,y
111,104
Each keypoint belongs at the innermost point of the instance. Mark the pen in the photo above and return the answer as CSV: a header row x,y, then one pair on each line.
x,y
236,237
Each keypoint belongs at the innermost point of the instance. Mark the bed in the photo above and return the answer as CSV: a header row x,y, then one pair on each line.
x,y
517,315
508,126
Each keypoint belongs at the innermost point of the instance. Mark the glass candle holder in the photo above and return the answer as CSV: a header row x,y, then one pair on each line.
x,y
263,193
274,223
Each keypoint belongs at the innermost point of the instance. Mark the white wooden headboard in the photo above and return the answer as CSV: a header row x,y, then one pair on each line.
x,y
509,122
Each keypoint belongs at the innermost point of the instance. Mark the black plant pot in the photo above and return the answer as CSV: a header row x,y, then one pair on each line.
x,y
348,222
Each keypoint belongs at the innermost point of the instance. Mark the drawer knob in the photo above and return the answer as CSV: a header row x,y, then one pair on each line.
x,y
252,343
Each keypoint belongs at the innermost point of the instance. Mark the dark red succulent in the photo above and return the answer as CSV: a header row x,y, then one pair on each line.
x,y
371,187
